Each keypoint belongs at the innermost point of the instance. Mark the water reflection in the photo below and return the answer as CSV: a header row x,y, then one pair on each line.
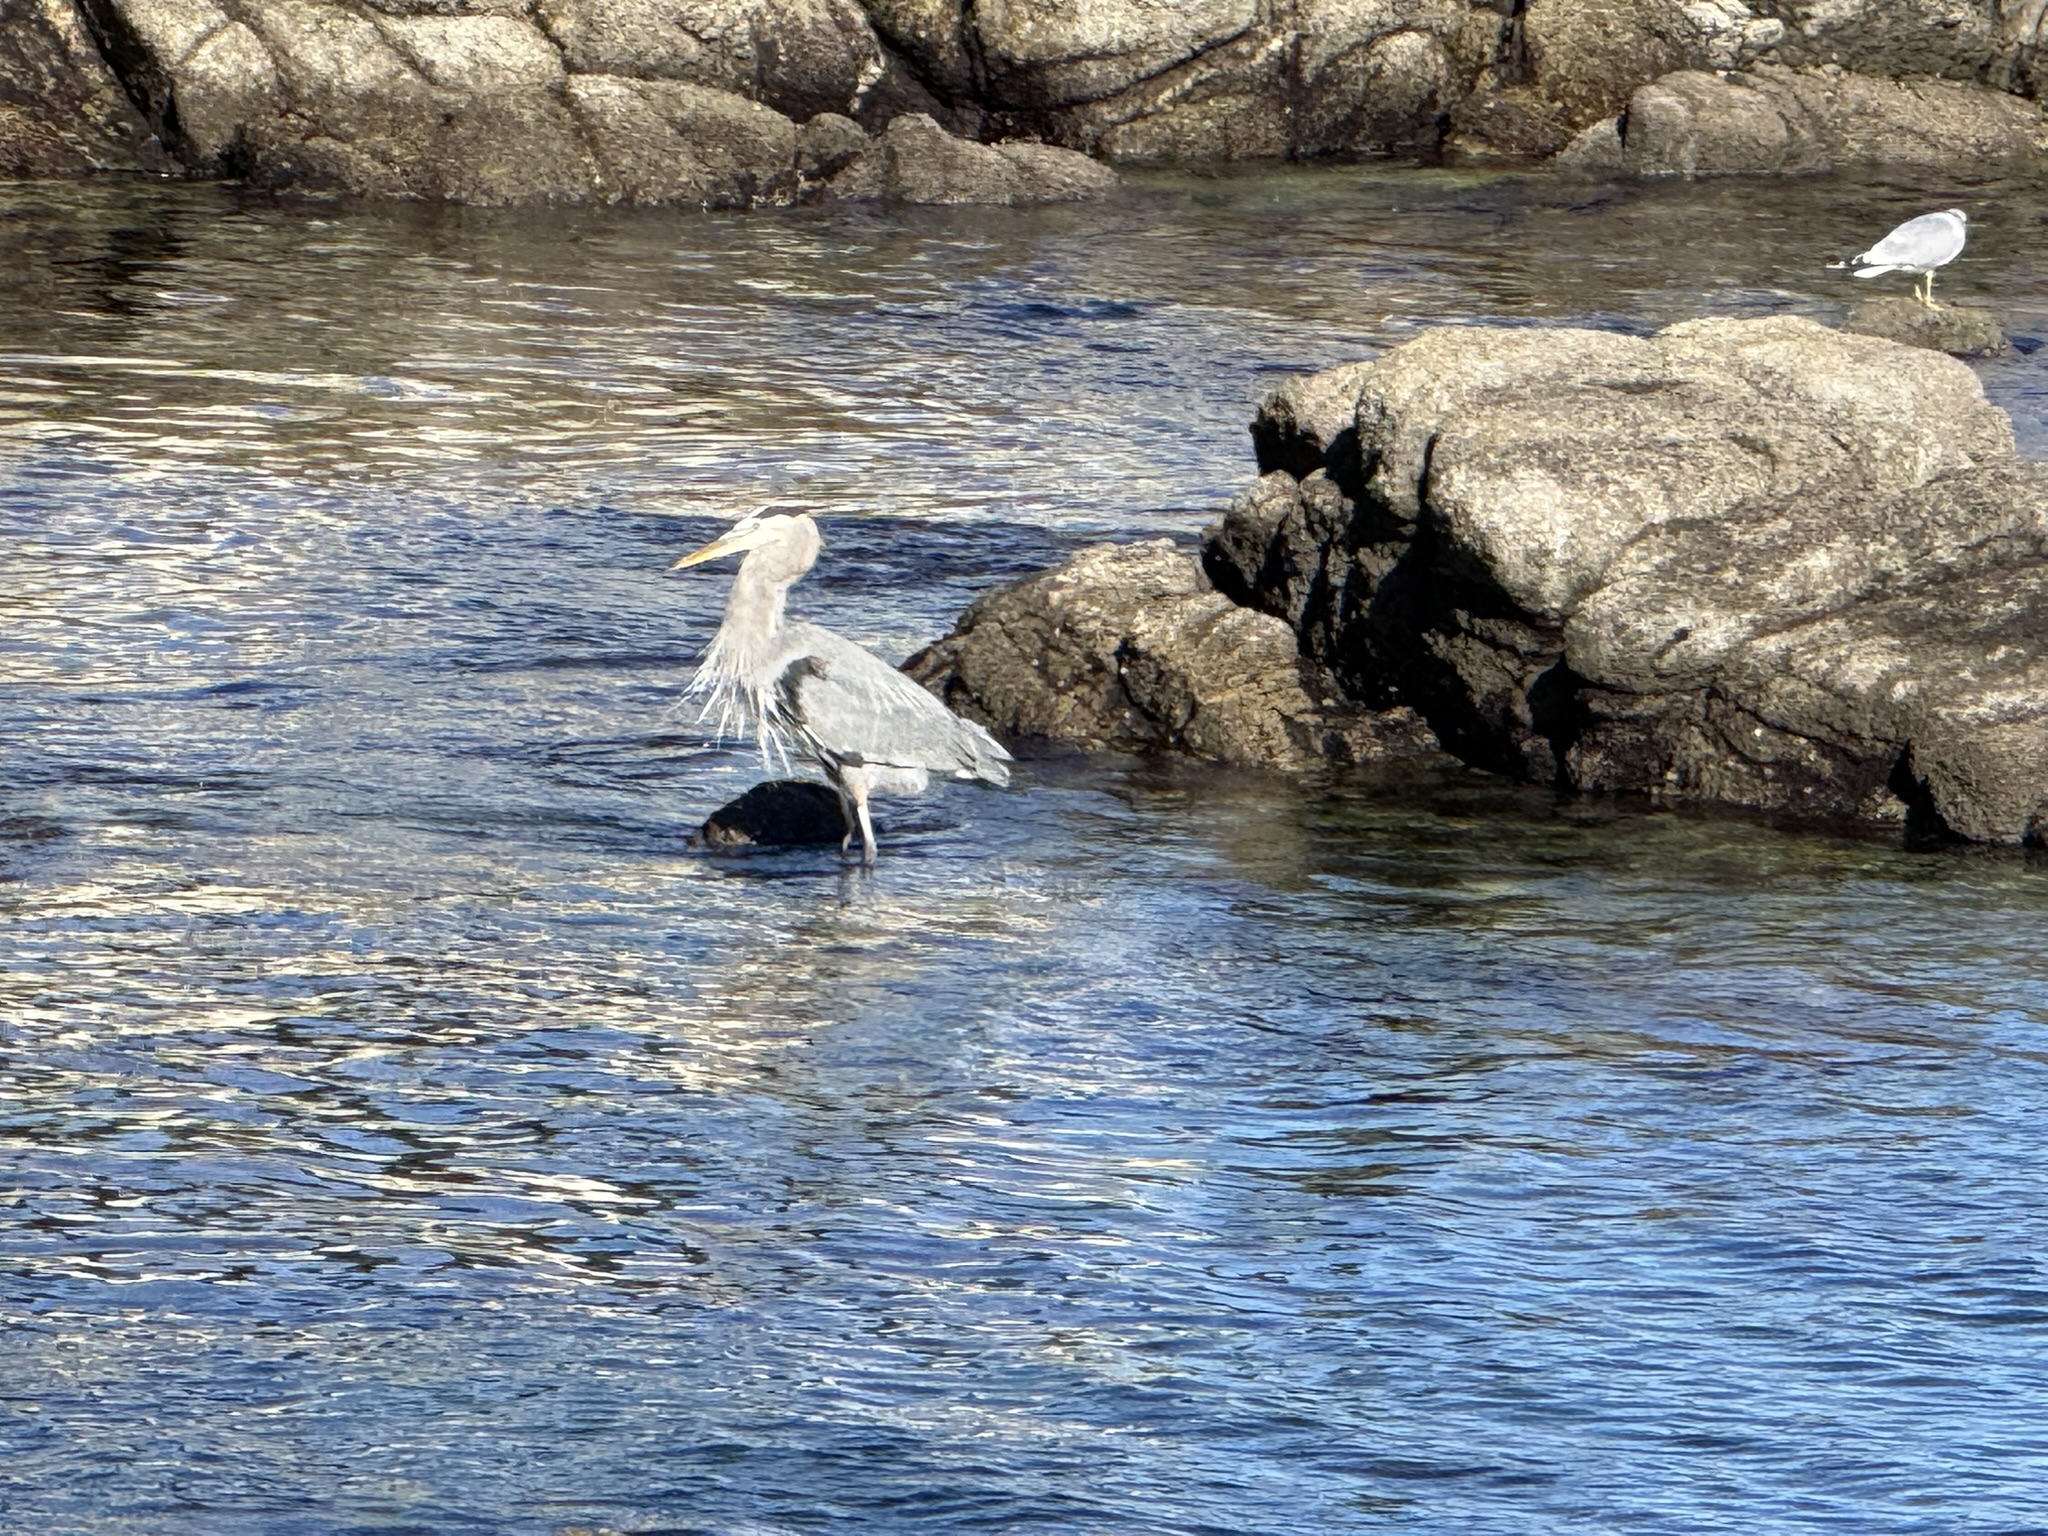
x,y
403,1127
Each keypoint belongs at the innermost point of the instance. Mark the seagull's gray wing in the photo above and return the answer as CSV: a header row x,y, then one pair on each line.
x,y
1932,240
854,708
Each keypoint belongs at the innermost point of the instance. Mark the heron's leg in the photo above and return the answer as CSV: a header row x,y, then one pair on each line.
x,y
867,831
1927,295
846,810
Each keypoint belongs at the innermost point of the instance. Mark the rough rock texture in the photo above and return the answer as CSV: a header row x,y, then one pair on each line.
x,y
62,111
917,161
1126,647
784,813
1772,120
800,57
500,101
1960,332
1758,562
509,100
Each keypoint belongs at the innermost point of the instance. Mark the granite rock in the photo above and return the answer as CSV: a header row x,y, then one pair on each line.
x,y
1125,647
1755,562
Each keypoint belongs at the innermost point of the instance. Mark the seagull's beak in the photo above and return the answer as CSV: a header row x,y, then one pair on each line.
x,y
728,543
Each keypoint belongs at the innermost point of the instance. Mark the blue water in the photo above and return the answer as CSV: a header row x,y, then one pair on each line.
x,y
404,1128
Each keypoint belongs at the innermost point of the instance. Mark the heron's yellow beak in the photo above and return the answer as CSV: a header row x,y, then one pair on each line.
x,y
724,544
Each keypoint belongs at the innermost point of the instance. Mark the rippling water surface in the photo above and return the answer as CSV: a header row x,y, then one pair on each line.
x,y
404,1129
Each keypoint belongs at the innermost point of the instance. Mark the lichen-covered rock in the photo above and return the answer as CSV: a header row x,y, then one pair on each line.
x,y
1960,332
1775,120
1759,562
1126,647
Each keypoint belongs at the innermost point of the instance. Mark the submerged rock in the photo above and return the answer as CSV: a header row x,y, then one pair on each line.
x,y
1756,562
784,813
1126,647
1960,332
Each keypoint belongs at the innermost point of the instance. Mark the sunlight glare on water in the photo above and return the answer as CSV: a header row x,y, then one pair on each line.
x,y
404,1128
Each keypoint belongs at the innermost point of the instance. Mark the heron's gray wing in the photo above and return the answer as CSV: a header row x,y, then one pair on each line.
x,y
1932,240
854,708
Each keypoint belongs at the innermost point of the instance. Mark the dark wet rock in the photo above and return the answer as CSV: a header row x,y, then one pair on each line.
x,y
784,813
1959,331
1771,120
1126,647
62,111
1755,562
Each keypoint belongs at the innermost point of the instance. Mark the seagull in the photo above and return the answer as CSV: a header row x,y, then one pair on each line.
x,y
871,729
1918,245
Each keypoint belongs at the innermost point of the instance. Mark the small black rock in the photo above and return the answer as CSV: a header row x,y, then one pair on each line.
x,y
783,813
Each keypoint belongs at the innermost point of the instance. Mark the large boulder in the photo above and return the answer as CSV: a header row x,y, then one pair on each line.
x,y
1759,562
1772,120
62,111
1125,647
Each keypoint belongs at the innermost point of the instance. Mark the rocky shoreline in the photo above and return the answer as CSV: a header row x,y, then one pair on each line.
x,y
1754,563
736,103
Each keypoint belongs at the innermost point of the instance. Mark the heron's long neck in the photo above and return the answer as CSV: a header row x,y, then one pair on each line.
x,y
753,619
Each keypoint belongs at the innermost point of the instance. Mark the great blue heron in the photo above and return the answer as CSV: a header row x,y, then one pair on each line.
x,y
1918,245
871,728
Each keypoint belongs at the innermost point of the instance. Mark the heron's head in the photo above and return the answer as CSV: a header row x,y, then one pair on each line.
x,y
791,536
1959,214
